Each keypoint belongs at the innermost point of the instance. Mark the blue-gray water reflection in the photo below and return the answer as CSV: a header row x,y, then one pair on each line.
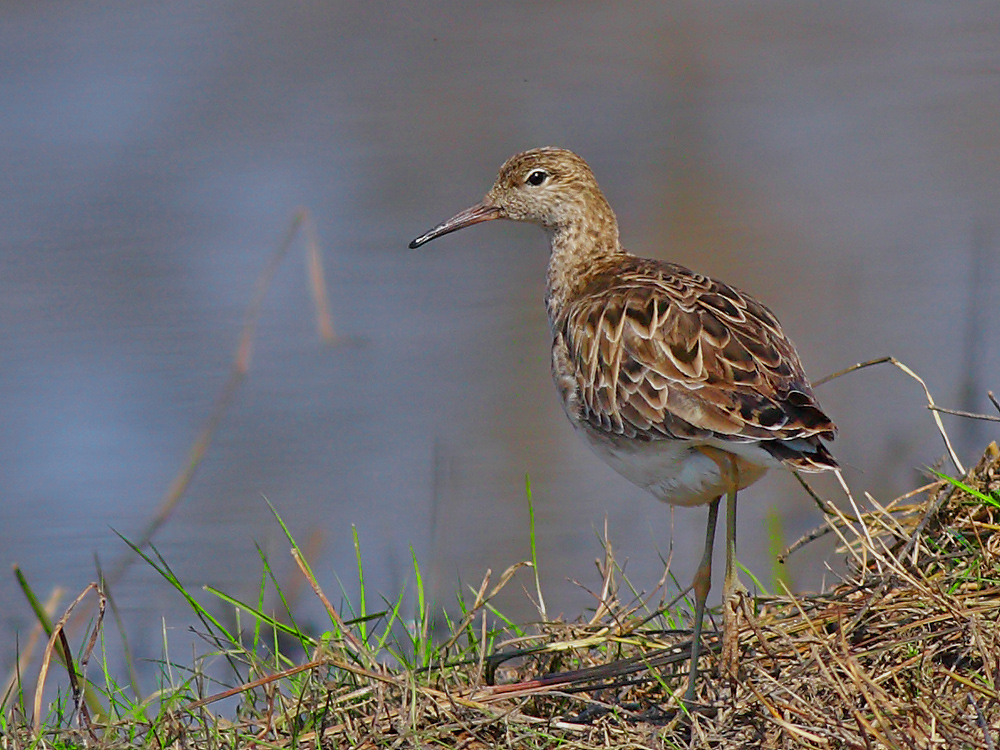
x,y
841,162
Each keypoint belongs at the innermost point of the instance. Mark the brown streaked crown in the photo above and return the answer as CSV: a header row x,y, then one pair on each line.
x,y
566,192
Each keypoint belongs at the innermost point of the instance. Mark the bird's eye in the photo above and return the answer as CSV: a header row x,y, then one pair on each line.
x,y
537,177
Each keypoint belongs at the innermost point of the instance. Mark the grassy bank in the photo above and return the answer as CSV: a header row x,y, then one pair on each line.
x,y
905,652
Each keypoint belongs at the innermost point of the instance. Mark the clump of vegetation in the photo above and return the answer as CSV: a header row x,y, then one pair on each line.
x,y
904,652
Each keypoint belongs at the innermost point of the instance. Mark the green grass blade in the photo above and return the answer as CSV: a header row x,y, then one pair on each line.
x,y
992,499
534,550
756,581
780,576
362,620
265,618
160,566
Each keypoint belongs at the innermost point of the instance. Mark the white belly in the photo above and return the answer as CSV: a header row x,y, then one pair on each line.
x,y
676,471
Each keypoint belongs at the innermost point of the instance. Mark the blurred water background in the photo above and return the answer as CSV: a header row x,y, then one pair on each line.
x,y
841,161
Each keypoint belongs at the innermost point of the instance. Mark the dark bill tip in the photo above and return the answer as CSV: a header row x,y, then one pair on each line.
x,y
472,215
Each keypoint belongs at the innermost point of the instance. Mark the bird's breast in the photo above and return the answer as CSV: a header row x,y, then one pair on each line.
x,y
678,472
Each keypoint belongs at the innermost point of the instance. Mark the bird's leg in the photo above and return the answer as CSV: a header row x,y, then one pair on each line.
x,y
702,584
732,590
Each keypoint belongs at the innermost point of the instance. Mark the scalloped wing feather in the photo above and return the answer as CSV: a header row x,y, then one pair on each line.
x,y
654,351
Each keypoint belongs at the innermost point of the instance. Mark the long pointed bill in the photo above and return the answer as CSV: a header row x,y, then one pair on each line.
x,y
472,215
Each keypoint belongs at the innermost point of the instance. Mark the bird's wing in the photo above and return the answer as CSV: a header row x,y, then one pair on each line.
x,y
657,351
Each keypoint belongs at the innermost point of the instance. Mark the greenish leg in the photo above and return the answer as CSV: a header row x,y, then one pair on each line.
x,y
729,660
702,584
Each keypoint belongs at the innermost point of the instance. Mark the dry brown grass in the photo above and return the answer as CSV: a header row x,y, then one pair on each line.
x,y
903,653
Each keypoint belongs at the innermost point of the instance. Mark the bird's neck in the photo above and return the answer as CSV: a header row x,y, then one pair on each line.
x,y
579,249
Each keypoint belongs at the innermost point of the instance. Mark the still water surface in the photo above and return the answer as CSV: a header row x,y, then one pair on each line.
x,y
839,161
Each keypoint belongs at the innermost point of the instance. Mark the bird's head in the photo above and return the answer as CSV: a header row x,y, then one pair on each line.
x,y
548,186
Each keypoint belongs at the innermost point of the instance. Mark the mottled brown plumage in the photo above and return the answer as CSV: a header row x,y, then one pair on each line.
x,y
653,351
686,386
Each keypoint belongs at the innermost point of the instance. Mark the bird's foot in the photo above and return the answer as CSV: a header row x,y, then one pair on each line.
x,y
732,620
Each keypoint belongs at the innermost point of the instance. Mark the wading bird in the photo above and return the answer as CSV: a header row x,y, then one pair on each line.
x,y
684,385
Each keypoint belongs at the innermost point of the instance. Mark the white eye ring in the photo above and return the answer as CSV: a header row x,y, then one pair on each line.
x,y
537,177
